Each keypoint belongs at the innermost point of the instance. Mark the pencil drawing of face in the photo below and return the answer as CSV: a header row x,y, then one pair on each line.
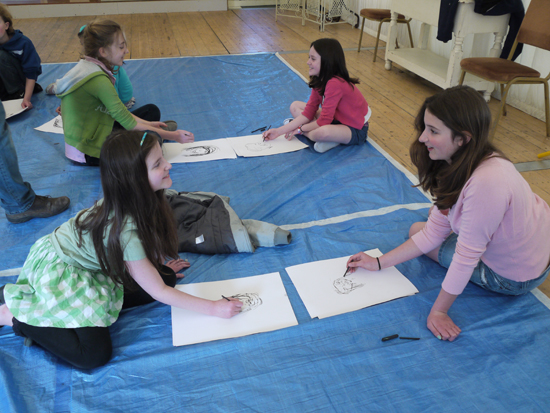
x,y
58,123
345,285
250,301
199,150
258,146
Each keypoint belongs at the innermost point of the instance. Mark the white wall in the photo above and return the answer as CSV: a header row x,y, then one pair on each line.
x,y
528,98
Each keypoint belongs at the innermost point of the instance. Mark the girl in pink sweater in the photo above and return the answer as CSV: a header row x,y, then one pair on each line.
x,y
344,114
486,225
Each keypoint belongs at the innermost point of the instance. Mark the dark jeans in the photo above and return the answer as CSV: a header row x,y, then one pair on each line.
x,y
85,347
12,78
150,113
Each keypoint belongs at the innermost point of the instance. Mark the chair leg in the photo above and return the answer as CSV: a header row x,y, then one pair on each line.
x,y
361,35
547,107
377,40
502,93
461,80
410,35
500,109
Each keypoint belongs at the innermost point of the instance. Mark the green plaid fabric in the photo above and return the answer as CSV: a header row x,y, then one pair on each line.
x,y
52,293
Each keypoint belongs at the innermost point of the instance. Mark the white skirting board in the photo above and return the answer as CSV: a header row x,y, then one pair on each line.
x,y
35,11
237,4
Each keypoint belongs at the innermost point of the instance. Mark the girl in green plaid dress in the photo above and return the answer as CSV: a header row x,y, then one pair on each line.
x,y
76,280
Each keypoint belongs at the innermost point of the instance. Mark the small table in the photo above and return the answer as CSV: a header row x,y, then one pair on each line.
x,y
437,69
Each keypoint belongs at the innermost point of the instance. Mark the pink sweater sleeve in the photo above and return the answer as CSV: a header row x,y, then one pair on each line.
x,y
475,217
437,229
312,105
333,95
483,203
499,220
342,102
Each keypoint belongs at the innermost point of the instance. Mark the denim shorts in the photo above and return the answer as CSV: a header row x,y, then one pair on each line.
x,y
358,136
485,277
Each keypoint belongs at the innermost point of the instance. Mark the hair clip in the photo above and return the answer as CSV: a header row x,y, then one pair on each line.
x,y
142,139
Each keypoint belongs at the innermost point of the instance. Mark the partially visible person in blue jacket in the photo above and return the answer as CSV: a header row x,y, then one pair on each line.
x,y
17,197
19,62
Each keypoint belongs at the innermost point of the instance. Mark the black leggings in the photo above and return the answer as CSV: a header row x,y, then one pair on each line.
x,y
86,347
150,113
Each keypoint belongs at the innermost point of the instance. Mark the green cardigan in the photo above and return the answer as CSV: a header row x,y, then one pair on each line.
x,y
89,109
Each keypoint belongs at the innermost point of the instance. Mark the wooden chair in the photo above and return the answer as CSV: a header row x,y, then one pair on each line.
x,y
535,31
381,16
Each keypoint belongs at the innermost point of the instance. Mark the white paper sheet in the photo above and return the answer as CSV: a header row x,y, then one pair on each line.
x,y
53,126
198,151
266,308
13,107
254,145
326,292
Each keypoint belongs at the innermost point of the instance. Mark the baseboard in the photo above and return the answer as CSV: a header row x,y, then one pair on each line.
x,y
35,11
237,4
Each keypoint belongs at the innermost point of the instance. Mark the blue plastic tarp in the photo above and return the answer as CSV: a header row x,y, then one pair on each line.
x,y
498,363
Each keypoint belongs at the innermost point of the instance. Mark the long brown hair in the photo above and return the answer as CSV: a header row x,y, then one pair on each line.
x,y
98,34
128,195
333,63
466,114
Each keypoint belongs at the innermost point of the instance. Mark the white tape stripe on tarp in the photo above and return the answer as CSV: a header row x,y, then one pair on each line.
x,y
360,214
282,59
541,297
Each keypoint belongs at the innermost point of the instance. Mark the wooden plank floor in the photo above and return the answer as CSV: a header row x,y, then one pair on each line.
x,y
395,95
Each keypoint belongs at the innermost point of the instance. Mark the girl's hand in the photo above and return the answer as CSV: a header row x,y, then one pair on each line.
x,y
184,136
362,260
441,326
300,131
271,134
178,265
292,133
6,316
58,110
227,309
26,103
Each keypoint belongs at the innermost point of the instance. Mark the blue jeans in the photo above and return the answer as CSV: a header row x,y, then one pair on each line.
x,y
485,277
16,196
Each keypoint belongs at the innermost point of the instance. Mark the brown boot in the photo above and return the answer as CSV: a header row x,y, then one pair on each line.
x,y
42,207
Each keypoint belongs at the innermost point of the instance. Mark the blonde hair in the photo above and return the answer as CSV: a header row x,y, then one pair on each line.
x,y
98,34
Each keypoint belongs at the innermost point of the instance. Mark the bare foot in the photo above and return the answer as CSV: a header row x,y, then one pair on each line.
x,y
5,316
178,265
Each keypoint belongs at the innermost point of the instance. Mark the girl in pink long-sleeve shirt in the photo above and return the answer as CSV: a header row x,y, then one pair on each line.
x,y
486,225
344,114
